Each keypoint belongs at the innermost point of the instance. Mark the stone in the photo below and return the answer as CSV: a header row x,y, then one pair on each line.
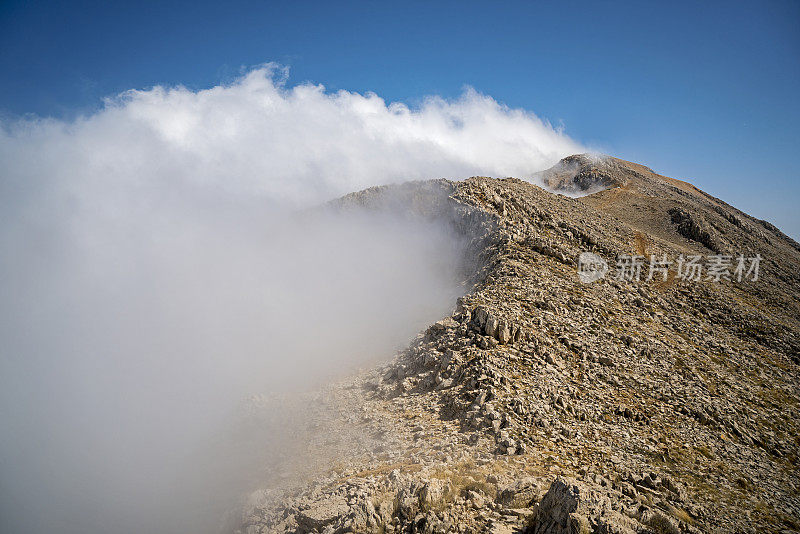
x,y
477,500
521,494
492,323
479,317
503,333
321,514
570,507
606,361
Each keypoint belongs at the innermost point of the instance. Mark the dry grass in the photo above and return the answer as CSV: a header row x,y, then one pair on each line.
x,y
705,451
660,524
463,477
680,514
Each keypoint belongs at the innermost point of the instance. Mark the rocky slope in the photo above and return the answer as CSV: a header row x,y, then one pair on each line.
x,y
545,404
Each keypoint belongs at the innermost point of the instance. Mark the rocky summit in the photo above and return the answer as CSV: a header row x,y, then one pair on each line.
x,y
625,358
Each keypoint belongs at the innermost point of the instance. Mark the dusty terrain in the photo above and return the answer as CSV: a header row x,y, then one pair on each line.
x,y
544,404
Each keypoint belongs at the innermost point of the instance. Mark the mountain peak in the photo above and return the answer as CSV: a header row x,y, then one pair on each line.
x,y
582,174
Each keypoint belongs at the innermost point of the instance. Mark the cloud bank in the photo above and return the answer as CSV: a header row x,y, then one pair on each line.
x,y
153,273
291,144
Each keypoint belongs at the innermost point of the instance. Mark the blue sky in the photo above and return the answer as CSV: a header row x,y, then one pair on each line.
x,y
701,91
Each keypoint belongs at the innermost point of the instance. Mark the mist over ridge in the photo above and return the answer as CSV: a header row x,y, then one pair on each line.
x,y
154,273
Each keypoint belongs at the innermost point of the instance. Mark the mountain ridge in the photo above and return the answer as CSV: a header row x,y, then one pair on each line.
x,y
544,404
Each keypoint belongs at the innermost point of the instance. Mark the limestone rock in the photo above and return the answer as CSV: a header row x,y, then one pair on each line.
x,y
570,507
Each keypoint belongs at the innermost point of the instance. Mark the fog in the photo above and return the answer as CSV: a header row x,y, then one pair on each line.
x,y
125,349
159,263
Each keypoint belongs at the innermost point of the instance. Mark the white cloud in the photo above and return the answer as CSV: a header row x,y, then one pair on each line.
x,y
292,144
150,276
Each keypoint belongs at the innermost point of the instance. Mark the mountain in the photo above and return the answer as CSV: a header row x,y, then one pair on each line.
x,y
550,402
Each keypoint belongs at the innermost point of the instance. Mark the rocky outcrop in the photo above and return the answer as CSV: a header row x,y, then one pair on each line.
x,y
570,507
694,228
582,174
